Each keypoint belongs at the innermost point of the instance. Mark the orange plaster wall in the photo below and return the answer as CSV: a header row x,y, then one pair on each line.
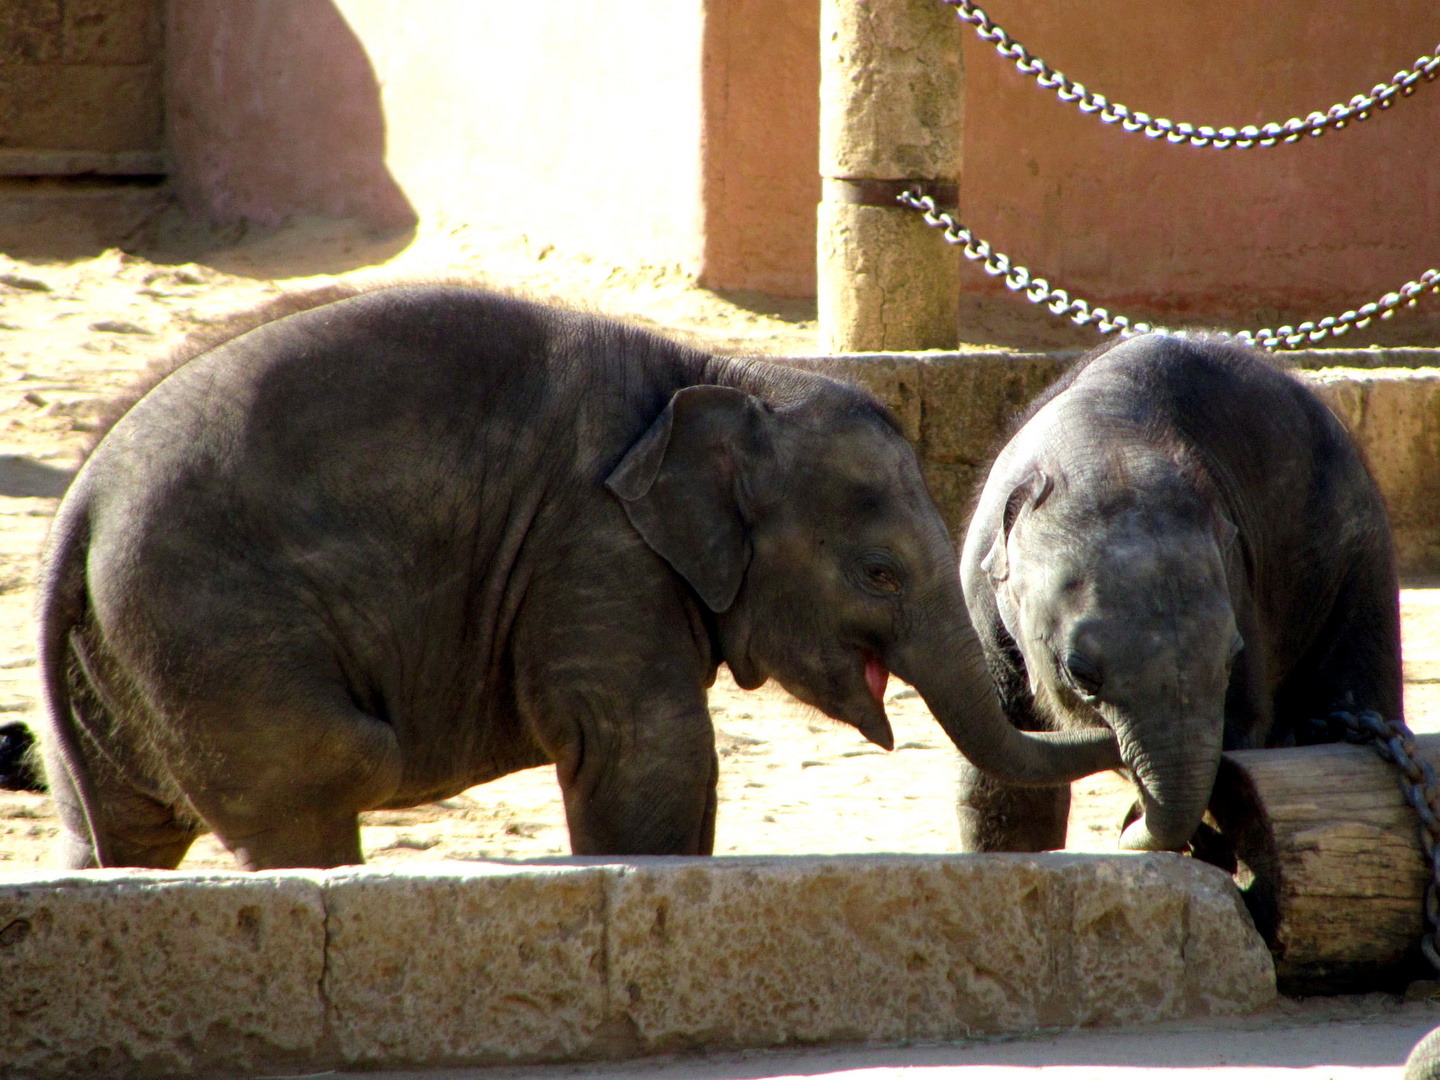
x,y
762,117
684,133
572,124
1312,228
274,109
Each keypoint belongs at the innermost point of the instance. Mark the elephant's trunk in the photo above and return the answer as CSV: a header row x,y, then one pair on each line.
x,y
945,664
1174,765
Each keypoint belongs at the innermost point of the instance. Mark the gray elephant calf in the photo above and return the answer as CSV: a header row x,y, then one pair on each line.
x,y
1182,544
375,552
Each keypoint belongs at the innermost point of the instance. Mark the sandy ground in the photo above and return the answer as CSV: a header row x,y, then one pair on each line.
x,y
73,334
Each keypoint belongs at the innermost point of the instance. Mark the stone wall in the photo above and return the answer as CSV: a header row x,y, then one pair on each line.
x,y
82,76
134,973
958,409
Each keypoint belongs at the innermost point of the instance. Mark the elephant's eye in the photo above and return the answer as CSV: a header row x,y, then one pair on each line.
x,y
1085,674
878,574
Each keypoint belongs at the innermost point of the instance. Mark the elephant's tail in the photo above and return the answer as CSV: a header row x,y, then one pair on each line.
x,y
61,608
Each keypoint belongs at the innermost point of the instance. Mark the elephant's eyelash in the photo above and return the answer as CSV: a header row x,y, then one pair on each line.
x,y
883,579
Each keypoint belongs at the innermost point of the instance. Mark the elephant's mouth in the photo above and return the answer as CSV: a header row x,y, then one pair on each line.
x,y
867,712
877,676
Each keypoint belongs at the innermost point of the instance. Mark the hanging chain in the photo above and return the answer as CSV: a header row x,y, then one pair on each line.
x,y
1359,107
1039,291
1394,742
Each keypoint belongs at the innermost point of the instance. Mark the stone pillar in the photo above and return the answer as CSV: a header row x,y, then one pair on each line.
x,y
890,97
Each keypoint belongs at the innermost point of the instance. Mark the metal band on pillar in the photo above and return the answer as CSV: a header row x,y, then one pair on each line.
x,y
886,193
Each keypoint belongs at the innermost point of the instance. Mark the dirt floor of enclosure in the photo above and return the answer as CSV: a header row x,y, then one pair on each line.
x,y
74,333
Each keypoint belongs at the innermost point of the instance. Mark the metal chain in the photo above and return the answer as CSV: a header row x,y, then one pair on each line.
x,y
1395,742
1039,291
1359,107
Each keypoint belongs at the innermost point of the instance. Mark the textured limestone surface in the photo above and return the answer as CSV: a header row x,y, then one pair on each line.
x,y
129,973
115,973
958,408
890,89
484,963
886,283
890,108
1394,414
911,947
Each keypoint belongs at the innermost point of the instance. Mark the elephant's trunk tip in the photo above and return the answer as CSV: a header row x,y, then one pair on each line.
x,y
1170,836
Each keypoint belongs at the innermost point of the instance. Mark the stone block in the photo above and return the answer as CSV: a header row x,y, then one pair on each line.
x,y
952,488
113,31
754,952
972,399
133,973
467,963
1394,415
1161,937
120,973
107,108
30,31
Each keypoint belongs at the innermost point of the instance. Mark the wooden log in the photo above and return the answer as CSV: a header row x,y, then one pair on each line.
x,y
1328,858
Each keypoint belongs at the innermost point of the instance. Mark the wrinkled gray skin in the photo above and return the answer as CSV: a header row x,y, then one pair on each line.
x,y
1182,544
374,553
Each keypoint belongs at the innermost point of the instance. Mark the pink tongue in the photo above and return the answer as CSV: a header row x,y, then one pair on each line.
x,y
876,677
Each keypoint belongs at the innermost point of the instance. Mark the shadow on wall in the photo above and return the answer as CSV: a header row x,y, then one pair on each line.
x,y
274,112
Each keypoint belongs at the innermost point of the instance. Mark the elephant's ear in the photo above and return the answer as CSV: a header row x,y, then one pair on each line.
x,y
1225,531
1029,493
681,485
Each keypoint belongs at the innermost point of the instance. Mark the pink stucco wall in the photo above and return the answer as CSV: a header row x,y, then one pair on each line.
x,y
273,109
683,132
762,121
577,124
1318,226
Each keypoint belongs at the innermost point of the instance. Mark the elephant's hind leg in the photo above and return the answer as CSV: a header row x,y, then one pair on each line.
x,y
284,788
1354,663
133,826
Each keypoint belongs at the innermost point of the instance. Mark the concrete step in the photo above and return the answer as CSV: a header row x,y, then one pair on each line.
x,y
75,217
127,973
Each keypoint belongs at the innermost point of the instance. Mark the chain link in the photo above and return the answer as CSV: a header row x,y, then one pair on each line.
x,y
1359,107
1395,742
1039,291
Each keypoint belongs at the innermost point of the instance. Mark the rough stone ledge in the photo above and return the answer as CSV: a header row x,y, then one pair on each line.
x,y
138,973
958,407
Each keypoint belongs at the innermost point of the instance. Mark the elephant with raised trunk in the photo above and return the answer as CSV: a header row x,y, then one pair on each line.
x,y
372,553
1183,545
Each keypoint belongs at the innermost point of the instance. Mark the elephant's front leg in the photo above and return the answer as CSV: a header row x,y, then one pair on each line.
x,y
611,680
635,757
650,793
996,817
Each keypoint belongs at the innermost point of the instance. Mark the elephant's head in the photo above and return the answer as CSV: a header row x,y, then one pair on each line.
x,y
805,527
1116,595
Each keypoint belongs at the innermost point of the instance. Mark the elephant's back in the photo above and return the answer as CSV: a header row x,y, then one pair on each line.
x,y
418,391
374,445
